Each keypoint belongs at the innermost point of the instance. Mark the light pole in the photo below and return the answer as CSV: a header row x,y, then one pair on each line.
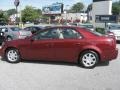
x,y
16,3
66,13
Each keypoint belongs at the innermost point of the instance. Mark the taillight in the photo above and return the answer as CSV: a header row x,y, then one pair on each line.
x,y
112,37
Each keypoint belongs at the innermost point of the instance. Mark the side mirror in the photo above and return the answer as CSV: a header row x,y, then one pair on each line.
x,y
33,38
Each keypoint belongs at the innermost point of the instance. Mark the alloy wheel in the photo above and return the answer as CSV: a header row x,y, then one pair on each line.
x,y
12,56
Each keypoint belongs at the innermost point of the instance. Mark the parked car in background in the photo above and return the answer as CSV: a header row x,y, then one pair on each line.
x,y
83,25
115,29
33,29
87,26
2,37
62,43
12,32
2,23
72,24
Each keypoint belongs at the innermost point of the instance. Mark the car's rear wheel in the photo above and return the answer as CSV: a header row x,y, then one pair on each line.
x,y
89,59
12,55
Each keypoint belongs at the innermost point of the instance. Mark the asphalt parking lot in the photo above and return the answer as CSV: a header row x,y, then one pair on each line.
x,y
54,76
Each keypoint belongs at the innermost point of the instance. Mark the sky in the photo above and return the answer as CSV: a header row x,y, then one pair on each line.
x,y
9,4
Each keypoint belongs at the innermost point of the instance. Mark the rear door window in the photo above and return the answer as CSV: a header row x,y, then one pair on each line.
x,y
69,33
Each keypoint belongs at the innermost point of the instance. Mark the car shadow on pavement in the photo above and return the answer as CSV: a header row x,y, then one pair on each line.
x,y
106,63
101,64
49,62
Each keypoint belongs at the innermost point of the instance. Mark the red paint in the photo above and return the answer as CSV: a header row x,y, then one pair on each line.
x,y
64,49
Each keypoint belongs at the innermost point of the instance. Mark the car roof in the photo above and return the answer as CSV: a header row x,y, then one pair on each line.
x,y
75,27
7,26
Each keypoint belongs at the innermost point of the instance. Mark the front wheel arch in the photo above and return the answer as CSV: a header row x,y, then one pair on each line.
x,y
12,48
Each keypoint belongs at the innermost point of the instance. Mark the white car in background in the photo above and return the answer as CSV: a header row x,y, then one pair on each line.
x,y
115,29
83,25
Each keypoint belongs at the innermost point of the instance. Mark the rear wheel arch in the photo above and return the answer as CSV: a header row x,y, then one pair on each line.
x,y
89,58
89,50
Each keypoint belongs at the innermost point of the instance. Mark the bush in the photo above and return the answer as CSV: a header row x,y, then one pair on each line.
x,y
100,30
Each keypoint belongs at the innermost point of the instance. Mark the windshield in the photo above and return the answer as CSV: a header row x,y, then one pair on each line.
x,y
114,27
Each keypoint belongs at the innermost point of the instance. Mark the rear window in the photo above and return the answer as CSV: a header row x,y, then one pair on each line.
x,y
15,28
86,26
114,27
95,33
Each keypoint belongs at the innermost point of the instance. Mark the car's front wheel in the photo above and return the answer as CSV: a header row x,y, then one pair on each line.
x,y
9,38
89,59
12,55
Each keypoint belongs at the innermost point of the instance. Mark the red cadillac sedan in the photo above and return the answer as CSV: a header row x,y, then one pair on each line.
x,y
62,43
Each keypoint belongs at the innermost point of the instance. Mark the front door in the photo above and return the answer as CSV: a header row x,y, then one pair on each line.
x,y
41,45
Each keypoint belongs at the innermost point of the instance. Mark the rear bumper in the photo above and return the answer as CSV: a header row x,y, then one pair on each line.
x,y
115,54
110,55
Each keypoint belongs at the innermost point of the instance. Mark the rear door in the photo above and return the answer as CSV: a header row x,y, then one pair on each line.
x,y
67,48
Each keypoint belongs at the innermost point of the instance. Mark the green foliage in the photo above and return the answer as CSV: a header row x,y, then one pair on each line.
x,y
11,12
3,16
100,30
30,14
77,7
116,8
89,8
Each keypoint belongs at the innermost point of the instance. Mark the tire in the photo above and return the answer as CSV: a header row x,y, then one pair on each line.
x,y
12,55
9,38
89,59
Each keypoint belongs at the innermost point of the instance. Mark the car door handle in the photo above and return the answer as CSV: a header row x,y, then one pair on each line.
x,y
78,44
49,45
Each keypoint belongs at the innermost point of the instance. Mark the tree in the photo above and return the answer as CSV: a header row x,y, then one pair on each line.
x,y
11,12
89,8
30,14
77,7
116,8
3,17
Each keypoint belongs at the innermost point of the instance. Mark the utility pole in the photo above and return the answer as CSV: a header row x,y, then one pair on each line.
x,y
16,3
